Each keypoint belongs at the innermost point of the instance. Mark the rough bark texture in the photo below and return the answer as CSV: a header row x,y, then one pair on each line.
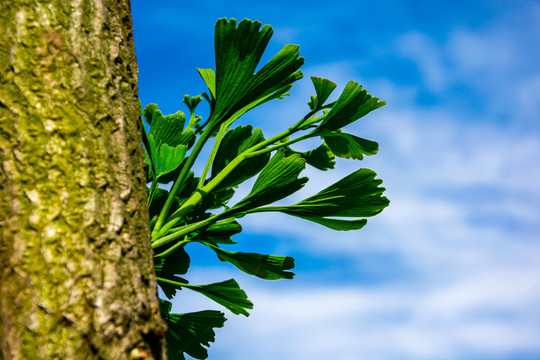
x,y
76,270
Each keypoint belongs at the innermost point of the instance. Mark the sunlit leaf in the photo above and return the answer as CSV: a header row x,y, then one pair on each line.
x,y
269,267
353,103
323,88
277,180
321,158
167,129
190,333
336,224
209,78
148,112
166,159
226,293
357,195
349,146
233,144
238,51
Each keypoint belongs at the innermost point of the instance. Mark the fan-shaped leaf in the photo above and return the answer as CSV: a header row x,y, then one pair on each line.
x,y
189,333
233,144
269,267
148,112
349,146
356,195
323,88
321,158
167,129
165,159
238,52
352,104
226,293
277,180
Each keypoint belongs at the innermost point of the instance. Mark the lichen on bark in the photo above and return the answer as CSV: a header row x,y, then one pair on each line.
x,y
76,270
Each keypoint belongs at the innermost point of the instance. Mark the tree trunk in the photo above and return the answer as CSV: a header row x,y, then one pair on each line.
x,y
76,270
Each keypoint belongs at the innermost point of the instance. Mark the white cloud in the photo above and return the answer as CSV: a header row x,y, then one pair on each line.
x,y
429,58
441,321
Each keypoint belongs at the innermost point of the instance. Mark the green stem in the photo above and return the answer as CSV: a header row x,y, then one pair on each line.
x,y
171,282
176,283
222,129
173,248
152,190
180,180
185,230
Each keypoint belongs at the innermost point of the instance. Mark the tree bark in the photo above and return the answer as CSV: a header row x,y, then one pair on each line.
x,y
76,269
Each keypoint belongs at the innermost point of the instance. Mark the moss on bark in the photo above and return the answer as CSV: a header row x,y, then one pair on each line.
x,y
76,269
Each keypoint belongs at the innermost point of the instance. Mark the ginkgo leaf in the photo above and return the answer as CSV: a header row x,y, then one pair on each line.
x,y
190,333
268,267
148,112
226,293
233,144
353,103
175,264
323,88
167,129
277,180
321,157
238,51
209,77
336,224
349,146
165,159
356,195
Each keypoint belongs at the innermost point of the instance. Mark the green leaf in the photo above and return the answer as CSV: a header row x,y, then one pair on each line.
x,y
356,195
209,78
167,268
352,104
189,333
336,224
164,307
234,143
323,88
148,112
349,146
187,137
321,158
166,159
167,129
174,264
238,51
277,180
226,293
269,267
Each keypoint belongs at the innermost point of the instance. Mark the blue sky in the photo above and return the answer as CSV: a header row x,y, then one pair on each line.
x,y
451,270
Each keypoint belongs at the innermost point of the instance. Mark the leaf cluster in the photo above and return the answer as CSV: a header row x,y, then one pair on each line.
x,y
197,209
